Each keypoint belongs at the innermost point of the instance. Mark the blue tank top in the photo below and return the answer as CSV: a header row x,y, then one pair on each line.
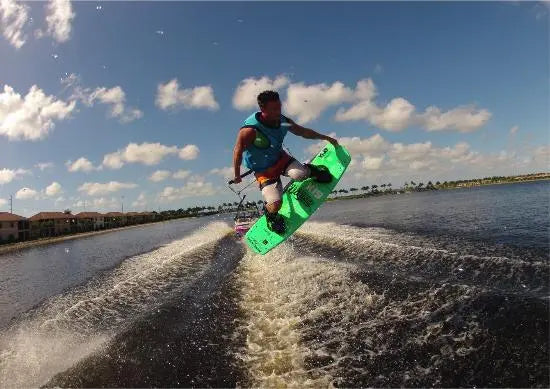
x,y
257,158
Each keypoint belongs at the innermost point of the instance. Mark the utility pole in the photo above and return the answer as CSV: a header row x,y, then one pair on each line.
x,y
11,204
122,204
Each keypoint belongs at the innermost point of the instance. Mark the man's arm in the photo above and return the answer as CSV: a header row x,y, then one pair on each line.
x,y
245,137
308,133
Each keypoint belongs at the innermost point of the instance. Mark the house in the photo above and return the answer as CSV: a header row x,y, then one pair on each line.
x,y
114,219
134,218
90,221
52,224
148,217
13,227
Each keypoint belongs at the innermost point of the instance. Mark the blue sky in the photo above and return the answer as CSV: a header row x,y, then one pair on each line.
x,y
183,75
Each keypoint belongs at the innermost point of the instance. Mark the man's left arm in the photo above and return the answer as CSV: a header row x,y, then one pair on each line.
x,y
308,133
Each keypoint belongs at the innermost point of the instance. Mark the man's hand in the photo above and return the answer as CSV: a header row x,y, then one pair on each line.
x,y
237,180
333,141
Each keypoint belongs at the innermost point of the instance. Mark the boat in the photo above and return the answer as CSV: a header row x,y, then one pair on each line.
x,y
244,219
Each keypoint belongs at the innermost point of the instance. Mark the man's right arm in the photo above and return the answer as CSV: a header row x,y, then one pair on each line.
x,y
245,137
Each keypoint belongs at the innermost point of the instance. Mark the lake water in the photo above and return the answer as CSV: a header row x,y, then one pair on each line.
x,y
445,288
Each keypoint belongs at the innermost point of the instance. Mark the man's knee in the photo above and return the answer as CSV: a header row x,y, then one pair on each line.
x,y
298,172
274,206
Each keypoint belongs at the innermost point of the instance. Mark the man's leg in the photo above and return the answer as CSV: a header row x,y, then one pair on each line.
x,y
272,191
299,172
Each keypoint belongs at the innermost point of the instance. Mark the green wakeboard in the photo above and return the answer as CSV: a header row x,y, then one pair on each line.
x,y
300,200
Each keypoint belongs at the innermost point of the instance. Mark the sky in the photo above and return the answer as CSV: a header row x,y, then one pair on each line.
x,y
104,103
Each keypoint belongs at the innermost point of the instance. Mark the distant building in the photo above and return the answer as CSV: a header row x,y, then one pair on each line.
x,y
114,219
13,227
90,221
45,224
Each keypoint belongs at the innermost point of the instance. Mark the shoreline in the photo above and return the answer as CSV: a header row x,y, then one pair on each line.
x,y
354,197
6,248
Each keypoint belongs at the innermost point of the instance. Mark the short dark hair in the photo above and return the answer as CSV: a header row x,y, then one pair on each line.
x,y
267,96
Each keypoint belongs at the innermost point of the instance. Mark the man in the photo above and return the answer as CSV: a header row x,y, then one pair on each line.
x,y
260,142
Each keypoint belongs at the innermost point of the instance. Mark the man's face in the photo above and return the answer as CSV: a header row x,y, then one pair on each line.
x,y
272,110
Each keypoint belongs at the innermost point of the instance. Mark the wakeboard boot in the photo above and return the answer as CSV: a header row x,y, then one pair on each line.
x,y
320,173
275,222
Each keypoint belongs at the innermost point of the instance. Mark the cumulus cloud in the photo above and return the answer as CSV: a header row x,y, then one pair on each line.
x,y
160,175
82,164
171,96
59,16
225,172
399,113
189,152
13,17
3,202
26,194
514,130
30,117
115,98
247,91
97,188
191,189
44,165
307,102
141,201
374,159
53,189
8,175
144,153
181,174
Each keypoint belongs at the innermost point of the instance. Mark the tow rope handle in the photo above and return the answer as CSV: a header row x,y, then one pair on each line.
x,y
231,182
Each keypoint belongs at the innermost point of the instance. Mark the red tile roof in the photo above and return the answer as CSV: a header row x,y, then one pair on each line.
x,y
83,215
51,215
114,214
10,217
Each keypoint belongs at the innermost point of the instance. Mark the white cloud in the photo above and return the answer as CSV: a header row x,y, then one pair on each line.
x,y
13,17
514,130
26,194
115,97
8,175
375,159
81,164
463,119
248,90
399,113
53,189
170,96
159,175
97,188
373,163
59,15
3,202
31,117
190,189
181,174
225,172
141,201
189,152
307,102
44,165
145,153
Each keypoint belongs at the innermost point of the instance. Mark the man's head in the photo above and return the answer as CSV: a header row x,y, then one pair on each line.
x,y
270,105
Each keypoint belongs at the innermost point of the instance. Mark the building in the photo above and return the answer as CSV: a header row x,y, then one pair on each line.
x,y
45,224
134,218
13,227
90,221
114,219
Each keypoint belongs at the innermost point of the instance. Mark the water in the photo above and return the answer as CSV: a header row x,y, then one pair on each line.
x,y
444,288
